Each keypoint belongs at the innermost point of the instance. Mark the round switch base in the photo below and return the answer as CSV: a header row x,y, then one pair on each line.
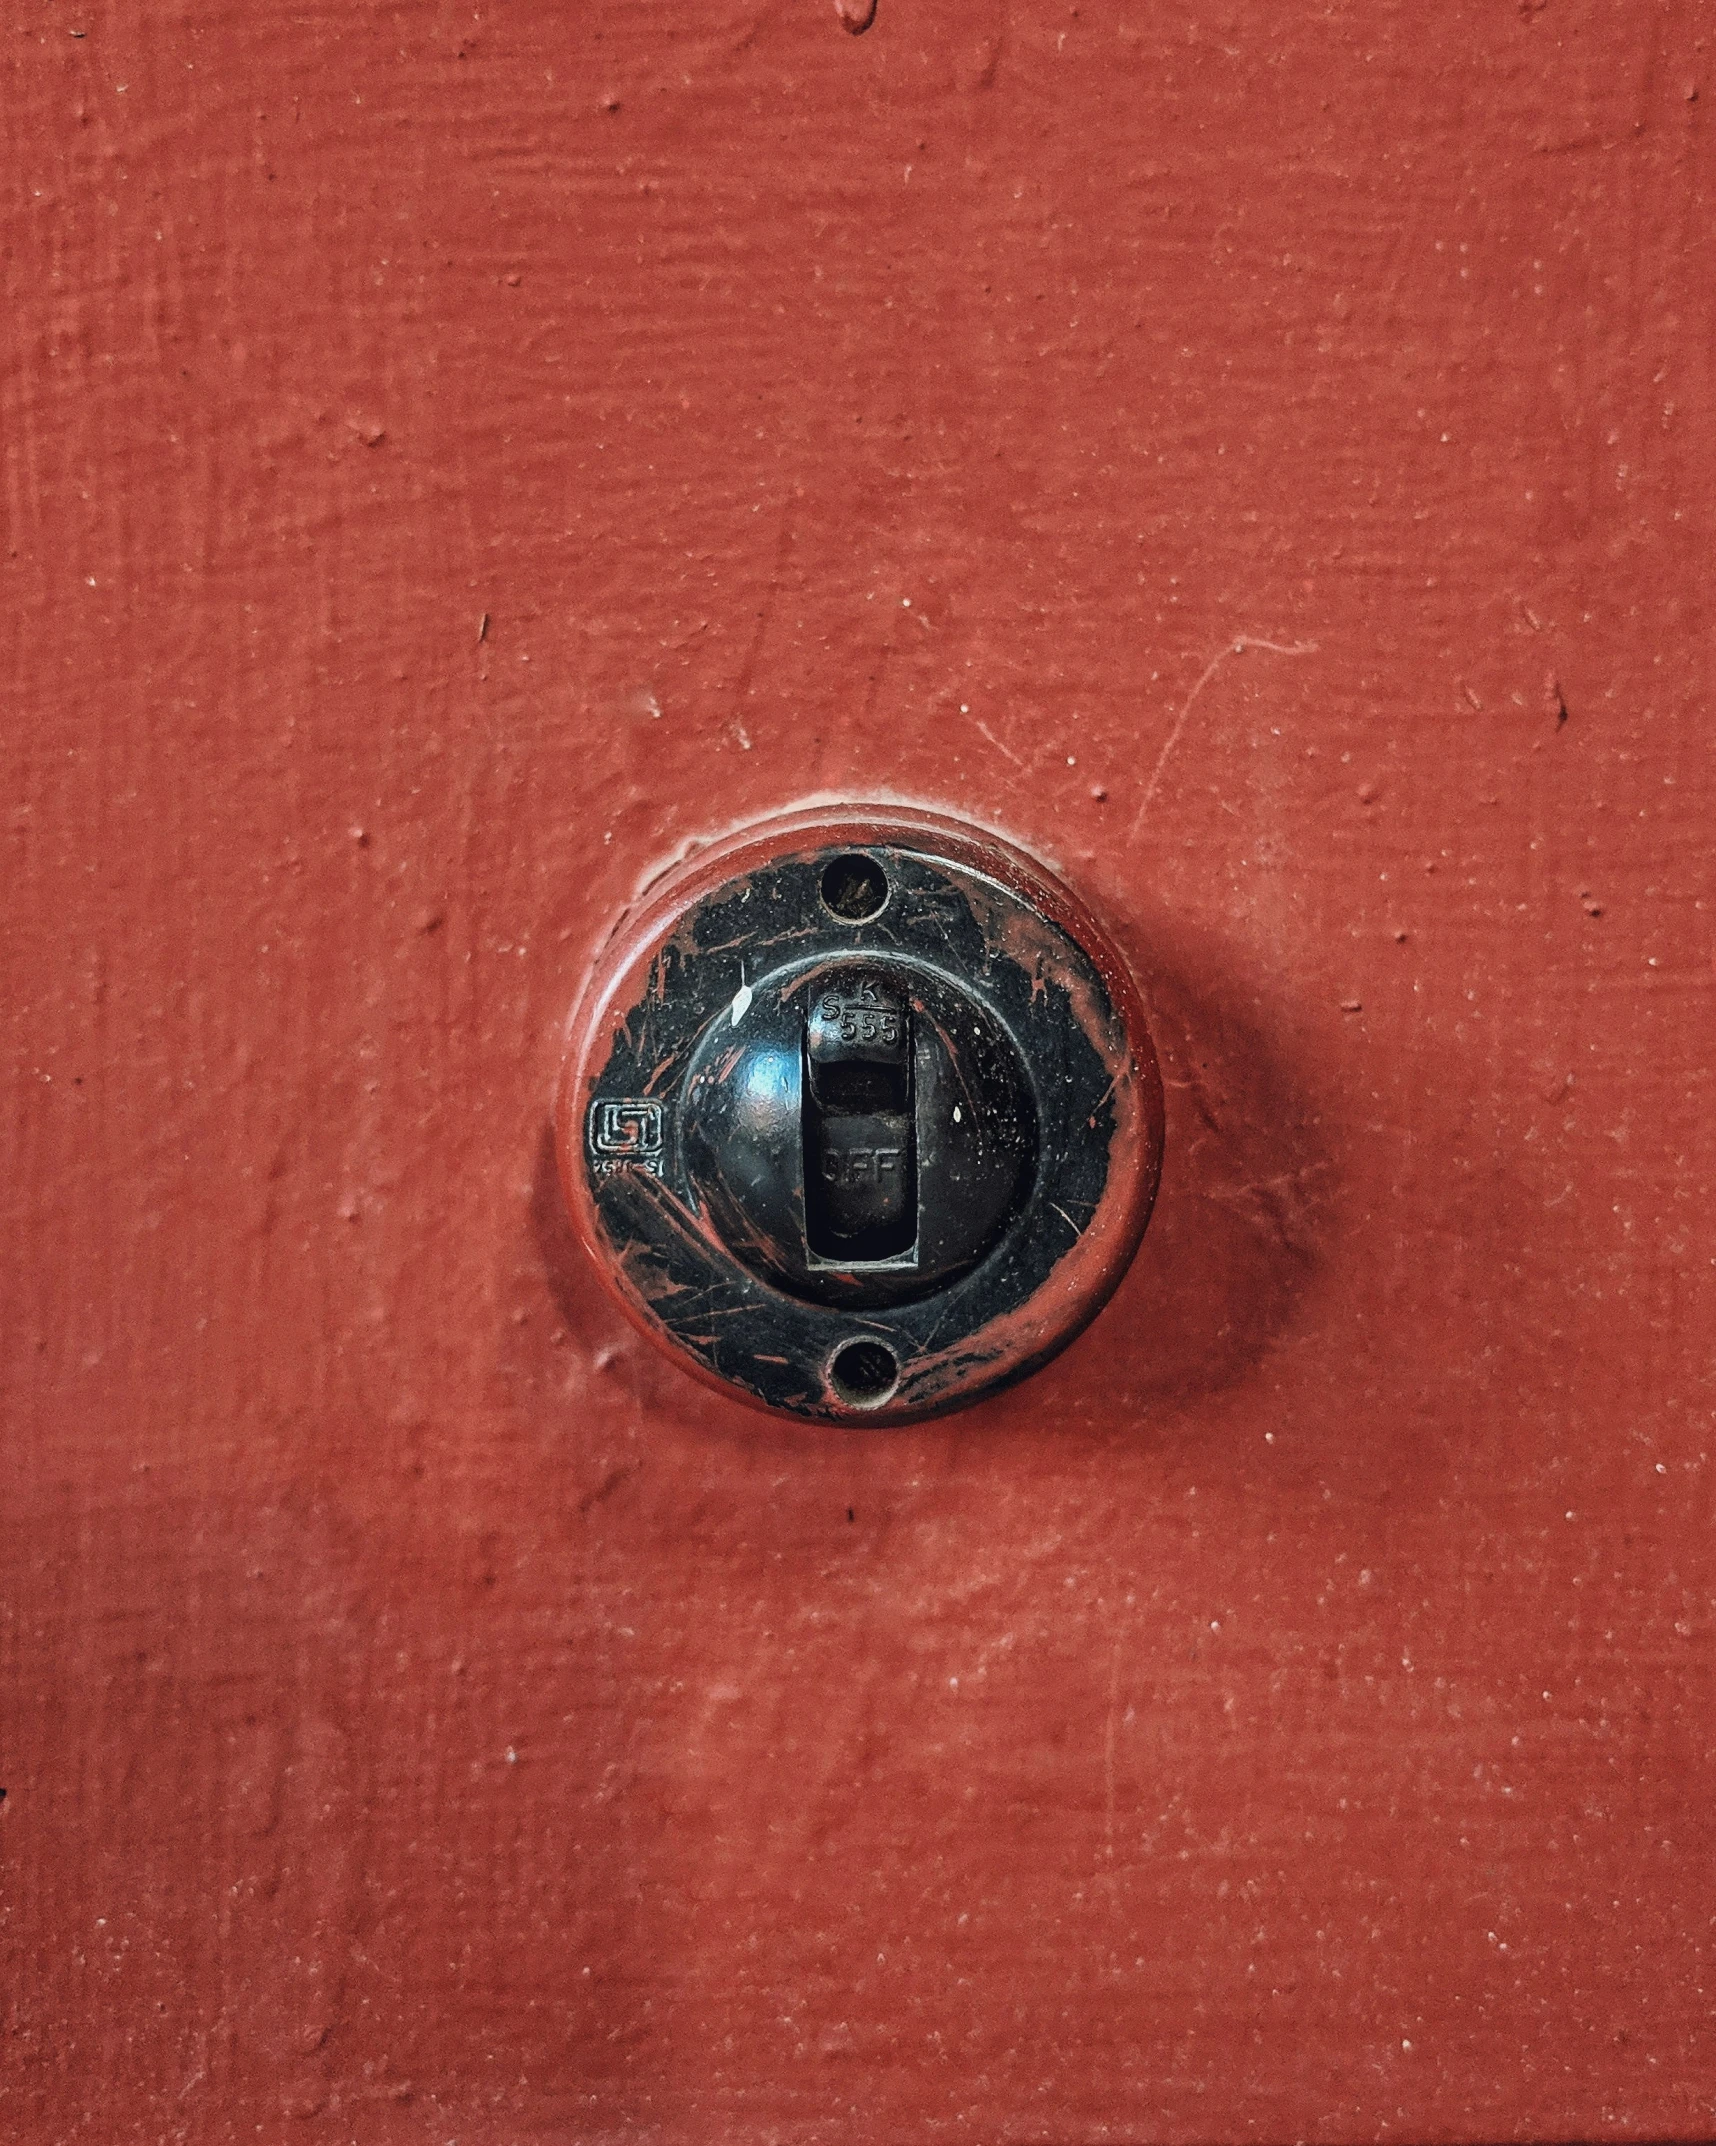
x,y
860,1118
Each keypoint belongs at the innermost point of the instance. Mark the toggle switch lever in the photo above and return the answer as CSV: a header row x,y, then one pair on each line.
x,y
860,1159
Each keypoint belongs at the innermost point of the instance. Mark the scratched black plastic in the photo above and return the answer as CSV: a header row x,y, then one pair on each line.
x,y
813,1132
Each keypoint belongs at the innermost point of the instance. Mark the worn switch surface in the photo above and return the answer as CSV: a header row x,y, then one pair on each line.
x,y
900,1125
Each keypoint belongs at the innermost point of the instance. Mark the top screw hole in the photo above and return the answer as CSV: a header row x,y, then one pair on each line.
x,y
855,888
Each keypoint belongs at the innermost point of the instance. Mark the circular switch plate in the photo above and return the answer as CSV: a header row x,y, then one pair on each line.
x,y
860,1118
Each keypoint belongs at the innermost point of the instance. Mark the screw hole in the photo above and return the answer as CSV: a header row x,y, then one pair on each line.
x,y
864,1373
855,888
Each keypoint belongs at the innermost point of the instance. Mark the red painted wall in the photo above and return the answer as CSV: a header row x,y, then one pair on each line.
x,y
1261,459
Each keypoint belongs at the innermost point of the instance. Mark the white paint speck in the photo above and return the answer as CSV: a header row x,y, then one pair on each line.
x,y
956,1114
741,1003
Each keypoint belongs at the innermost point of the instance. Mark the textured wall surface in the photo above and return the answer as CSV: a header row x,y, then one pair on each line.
x,y
1261,458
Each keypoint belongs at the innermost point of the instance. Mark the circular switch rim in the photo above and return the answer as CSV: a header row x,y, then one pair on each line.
x,y
1042,940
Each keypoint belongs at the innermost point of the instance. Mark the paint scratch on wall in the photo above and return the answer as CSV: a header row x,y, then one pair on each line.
x,y
1236,647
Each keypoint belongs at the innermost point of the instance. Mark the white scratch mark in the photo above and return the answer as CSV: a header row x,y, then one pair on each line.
x,y
979,724
1234,648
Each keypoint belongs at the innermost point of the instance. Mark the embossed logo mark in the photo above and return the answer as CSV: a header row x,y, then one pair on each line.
x,y
626,1135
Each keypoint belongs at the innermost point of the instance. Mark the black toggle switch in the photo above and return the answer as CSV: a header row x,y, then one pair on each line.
x,y
862,1120
859,1134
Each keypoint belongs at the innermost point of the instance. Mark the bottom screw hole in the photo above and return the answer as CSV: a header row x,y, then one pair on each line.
x,y
864,1373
